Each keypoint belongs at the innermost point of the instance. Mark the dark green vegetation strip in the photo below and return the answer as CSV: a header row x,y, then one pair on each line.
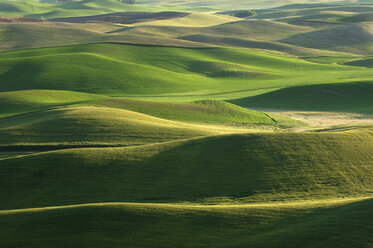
x,y
135,225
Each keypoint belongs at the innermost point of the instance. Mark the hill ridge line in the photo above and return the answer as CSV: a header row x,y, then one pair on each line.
x,y
306,203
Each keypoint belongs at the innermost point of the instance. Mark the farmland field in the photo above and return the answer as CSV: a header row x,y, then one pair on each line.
x,y
151,123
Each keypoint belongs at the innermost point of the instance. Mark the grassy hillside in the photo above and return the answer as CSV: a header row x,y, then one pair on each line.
x,y
231,169
316,12
75,8
123,17
199,111
205,111
355,38
255,29
16,36
325,18
367,62
26,35
152,70
133,125
17,102
231,5
344,97
248,43
20,102
365,17
249,34
335,224
192,20
94,126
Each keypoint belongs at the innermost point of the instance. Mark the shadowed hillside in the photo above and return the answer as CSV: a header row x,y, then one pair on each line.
x,y
344,97
231,168
320,224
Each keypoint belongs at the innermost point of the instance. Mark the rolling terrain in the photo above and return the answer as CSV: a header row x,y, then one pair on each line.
x,y
53,9
175,225
135,70
178,124
148,174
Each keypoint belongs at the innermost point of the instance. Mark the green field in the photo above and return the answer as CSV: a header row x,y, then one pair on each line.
x,y
134,70
177,124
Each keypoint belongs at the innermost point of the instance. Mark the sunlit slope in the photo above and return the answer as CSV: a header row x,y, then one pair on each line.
x,y
233,168
116,69
93,126
321,224
17,102
193,20
20,102
344,97
197,111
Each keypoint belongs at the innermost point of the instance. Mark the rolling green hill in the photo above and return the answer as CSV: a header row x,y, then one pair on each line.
x,y
76,8
18,102
193,20
254,29
344,223
365,17
367,62
353,97
138,125
198,111
154,70
16,36
95,126
21,102
255,33
309,11
355,38
232,169
236,4
254,44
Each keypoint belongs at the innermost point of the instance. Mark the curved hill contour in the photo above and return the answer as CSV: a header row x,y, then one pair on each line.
x,y
231,168
354,38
